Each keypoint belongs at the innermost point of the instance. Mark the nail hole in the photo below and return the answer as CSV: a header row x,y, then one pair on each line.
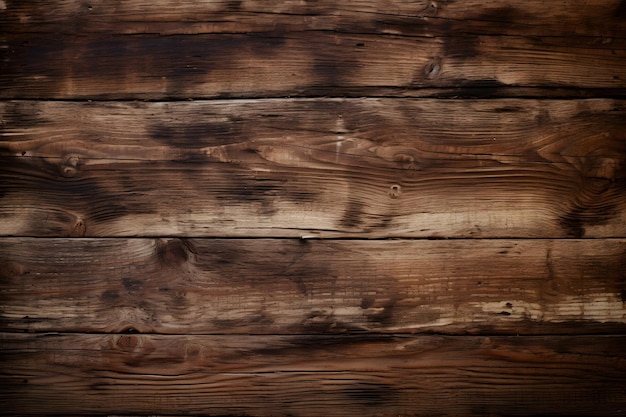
x,y
394,191
433,68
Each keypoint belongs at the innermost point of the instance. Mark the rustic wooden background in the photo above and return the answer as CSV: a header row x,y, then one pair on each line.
x,y
305,208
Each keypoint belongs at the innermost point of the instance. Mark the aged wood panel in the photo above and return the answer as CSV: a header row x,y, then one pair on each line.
x,y
573,18
280,64
312,376
134,49
315,167
199,286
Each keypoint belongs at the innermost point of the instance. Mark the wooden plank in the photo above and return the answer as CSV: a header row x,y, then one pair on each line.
x,y
603,18
297,64
269,286
315,167
312,376
282,62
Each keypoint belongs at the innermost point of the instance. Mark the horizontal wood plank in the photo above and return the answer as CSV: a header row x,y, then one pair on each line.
x,y
604,18
74,49
315,167
312,376
267,286
297,64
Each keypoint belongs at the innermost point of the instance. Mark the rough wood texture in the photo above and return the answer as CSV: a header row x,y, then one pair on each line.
x,y
199,286
312,376
322,167
157,237
600,18
140,49
297,64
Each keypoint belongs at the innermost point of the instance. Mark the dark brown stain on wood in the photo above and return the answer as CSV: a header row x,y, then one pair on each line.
x,y
110,295
620,11
198,135
371,395
22,114
603,180
132,286
353,214
174,252
234,5
464,47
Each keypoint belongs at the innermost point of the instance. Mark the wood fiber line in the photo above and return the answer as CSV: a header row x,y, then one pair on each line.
x,y
269,286
310,375
314,167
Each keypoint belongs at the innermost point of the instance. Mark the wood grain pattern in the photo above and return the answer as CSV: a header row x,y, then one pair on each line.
x,y
269,286
205,244
319,167
74,49
574,18
312,376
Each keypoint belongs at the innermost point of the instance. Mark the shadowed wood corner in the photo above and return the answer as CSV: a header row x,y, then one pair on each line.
x,y
261,208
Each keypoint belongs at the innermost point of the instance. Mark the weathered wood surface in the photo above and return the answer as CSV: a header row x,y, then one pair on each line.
x,y
318,167
298,64
285,286
140,49
601,18
311,376
192,319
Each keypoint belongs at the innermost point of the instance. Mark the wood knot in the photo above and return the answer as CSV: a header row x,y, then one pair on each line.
x,y
431,9
603,168
79,230
193,351
433,68
128,342
406,161
70,166
174,252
